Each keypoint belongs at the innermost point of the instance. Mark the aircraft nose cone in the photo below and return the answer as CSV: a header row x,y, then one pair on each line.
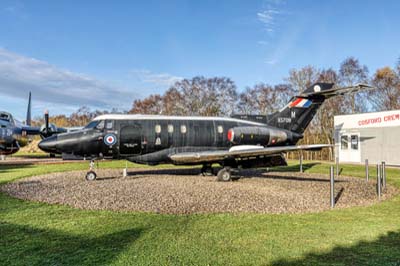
x,y
49,144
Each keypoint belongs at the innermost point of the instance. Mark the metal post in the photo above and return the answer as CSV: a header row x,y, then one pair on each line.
x,y
383,176
366,170
332,187
125,171
301,162
337,166
378,180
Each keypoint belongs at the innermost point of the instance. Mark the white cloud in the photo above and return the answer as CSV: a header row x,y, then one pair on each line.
x,y
263,42
49,84
271,14
160,79
271,62
268,18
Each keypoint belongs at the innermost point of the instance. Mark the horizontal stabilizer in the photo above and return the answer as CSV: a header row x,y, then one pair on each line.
x,y
328,89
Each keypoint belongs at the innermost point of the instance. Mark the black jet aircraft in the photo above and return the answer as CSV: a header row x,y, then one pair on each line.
x,y
237,142
14,134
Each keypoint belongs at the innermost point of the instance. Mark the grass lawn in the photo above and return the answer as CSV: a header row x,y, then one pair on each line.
x,y
42,234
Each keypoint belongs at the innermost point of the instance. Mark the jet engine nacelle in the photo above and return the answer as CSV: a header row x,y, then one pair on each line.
x,y
257,136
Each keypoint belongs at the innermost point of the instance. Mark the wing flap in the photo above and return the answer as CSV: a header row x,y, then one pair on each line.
x,y
216,156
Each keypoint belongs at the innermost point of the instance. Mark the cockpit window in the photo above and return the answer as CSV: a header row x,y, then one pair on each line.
x,y
5,117
100,125
92,124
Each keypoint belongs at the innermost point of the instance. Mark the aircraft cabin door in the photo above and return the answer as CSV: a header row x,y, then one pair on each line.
x,y
130,140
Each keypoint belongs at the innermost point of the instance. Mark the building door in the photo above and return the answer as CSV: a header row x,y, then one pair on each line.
x,y
349,150
130,140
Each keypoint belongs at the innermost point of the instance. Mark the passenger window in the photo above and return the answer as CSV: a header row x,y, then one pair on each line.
x,y
109,125
344,142
183,129
158,129
220,129
100,125
170,128
354,142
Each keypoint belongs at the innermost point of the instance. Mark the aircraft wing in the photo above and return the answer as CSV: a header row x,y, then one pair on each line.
x,y
31,130
239,151
54,130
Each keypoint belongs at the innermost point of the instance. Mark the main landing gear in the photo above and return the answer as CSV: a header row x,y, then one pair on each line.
x,y
207,170
225,174
91,174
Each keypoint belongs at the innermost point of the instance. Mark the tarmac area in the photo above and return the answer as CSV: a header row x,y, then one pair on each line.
x,y
185,191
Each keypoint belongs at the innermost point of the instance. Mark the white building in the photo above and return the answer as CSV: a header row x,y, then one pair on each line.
x,y
372,136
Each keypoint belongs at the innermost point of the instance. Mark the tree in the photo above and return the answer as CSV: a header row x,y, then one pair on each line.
x,y
264,99
303,78
203,96
173,102
387,93
197,96
351,72
150,105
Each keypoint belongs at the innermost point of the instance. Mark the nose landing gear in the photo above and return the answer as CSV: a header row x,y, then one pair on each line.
x,y
91,174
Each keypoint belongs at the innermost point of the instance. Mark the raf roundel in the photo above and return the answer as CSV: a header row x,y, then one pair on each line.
x,y
110,139
317,88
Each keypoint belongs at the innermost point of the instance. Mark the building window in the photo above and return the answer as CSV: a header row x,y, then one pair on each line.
x,y
170,128
158,129
220,129
183,129
354,142
344,142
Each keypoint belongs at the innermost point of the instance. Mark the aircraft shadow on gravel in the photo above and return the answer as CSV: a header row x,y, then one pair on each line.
x,y
53,247
246,173
197,170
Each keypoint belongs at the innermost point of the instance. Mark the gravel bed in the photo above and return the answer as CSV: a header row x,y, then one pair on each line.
x,y
183,191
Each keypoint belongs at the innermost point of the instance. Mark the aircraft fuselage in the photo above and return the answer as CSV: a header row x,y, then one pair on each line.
x,y
152,139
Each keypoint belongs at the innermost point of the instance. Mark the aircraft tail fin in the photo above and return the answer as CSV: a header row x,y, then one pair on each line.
x,y
29,112
299,112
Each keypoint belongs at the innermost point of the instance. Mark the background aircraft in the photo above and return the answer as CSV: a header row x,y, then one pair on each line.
x,y
253,141
14,134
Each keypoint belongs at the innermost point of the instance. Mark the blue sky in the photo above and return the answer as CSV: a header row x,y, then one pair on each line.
x,y
104,54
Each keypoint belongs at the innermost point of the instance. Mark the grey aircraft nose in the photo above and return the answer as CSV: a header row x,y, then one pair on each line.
x,y
49,144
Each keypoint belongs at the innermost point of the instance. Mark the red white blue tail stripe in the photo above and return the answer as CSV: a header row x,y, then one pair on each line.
x,y
300,102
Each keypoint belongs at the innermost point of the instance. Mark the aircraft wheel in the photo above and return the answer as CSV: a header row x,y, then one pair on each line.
x,y
224,175
91,176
